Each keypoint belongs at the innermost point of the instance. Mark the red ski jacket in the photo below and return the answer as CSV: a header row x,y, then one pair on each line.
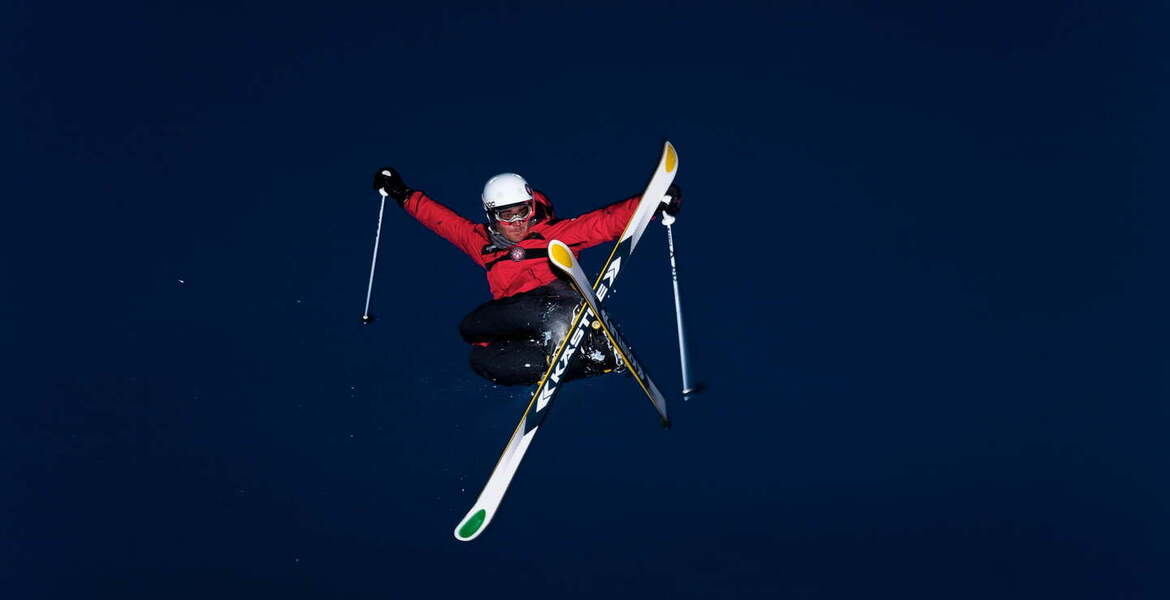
x,y
524,266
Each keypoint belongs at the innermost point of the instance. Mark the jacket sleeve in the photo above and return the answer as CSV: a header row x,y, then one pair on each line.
x,y
594,227
445,222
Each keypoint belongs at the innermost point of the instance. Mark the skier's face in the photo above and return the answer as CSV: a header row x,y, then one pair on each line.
x,y
513,221
513,231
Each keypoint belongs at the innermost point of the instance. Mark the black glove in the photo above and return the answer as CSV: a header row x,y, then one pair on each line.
x,y
389,182
671,208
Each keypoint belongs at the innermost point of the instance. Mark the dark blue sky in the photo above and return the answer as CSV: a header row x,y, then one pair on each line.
x,y
923,255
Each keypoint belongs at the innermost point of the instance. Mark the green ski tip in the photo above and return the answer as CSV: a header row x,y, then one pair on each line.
x,y
472,524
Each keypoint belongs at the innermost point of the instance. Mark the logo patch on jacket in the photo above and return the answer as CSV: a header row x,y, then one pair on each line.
x,y
517,253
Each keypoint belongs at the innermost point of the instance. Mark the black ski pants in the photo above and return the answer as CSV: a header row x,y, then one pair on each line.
x,y
521,331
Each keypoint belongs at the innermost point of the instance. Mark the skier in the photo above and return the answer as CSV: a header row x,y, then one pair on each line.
x,y
513,334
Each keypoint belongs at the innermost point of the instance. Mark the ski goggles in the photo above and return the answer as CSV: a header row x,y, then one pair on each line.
x,y
513,214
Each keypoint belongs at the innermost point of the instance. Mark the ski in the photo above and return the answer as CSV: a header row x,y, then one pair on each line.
x,y
562,258
486,505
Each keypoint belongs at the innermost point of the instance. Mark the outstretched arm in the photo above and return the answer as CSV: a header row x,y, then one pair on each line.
x,y
596,226
607,223
436,217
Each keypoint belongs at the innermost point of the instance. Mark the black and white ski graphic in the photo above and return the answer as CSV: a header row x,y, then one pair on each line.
x,y
486,505
563,259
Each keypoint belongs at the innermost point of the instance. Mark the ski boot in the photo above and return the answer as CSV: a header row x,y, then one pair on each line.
x,y
602,356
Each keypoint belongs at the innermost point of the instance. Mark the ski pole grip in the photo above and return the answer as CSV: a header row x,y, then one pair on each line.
x,y
667,218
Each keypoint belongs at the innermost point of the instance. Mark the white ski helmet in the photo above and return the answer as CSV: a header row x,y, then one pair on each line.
x,y
503,190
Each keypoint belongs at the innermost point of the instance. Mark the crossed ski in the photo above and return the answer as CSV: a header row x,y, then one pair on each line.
x,y
562,258
587,313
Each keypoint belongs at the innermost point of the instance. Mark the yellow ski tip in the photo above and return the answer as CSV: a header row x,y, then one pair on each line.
x,y
559,253
671,158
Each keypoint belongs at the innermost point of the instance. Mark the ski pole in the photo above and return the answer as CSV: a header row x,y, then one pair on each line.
x,y
688,389
367,318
